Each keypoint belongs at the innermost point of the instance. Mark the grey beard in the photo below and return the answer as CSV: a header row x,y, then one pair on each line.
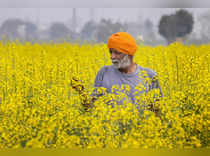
x,y
121,64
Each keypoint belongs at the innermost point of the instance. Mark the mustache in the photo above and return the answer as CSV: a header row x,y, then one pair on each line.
x,y
115,60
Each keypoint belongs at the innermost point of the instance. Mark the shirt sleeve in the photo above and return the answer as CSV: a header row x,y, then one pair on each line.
x,y
99,81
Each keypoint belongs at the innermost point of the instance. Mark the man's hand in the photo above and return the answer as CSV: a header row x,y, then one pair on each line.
x,y
77,85
86,101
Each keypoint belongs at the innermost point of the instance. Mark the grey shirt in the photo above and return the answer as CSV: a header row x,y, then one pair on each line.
x,y
109,76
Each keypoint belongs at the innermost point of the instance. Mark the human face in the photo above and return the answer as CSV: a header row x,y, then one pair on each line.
x,y
119,60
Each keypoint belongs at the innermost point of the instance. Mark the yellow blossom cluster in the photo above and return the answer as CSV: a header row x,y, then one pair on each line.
x,y
40,109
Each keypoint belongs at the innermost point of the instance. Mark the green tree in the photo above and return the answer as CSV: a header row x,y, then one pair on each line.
x,y
175,26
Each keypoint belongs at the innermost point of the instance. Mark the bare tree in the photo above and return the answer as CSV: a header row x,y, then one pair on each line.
x,y
87,32
106,27
58,31
31,32
9,29
205,27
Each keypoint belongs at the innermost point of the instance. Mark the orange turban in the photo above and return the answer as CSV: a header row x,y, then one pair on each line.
x,y
123,42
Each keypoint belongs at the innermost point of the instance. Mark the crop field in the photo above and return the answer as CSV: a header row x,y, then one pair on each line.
x,y
40,109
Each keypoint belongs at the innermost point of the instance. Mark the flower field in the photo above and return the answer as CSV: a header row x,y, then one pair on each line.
x,y
40,109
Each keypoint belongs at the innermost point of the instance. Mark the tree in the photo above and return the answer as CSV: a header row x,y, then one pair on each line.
x,y
167,28
106,28
58,31
148,32
205,27
87,32
9,29
31,31
184,22
176,25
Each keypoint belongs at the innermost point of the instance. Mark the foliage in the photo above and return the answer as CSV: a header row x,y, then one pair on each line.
x,y
59,31
39,108
106,28
176,25
9,28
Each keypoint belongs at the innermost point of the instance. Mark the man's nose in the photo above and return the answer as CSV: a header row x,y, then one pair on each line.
x,y
113,55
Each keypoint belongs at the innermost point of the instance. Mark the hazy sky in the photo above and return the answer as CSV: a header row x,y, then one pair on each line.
x,y
44,16
105,3
44,12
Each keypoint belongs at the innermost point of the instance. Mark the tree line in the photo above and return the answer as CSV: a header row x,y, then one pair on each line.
x,y
174,27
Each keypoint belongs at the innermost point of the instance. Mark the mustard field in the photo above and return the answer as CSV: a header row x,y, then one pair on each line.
x,y
40,109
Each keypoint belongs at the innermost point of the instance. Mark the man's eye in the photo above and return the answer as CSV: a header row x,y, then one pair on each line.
x,y
115,52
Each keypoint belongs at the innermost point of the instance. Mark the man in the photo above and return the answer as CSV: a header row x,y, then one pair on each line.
x,y
124,71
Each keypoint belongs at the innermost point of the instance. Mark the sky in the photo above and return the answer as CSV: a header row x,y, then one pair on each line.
x,y
45,16
44,12
106,3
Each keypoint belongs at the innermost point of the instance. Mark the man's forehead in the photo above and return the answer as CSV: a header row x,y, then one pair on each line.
x,y
114,50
